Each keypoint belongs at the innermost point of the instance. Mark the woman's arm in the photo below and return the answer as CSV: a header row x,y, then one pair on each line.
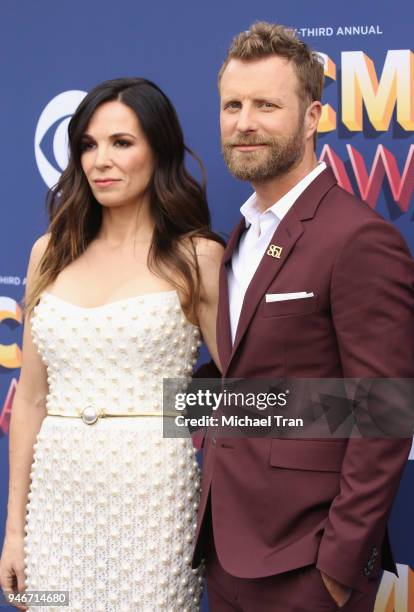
x,y
209,255
28,412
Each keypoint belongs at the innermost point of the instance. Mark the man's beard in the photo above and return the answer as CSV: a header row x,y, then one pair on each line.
x,y
277,158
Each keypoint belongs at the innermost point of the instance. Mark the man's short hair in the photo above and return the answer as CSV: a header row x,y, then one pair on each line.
x,y
265,39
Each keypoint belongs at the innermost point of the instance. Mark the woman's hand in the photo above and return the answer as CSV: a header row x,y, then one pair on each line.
x,y
12,566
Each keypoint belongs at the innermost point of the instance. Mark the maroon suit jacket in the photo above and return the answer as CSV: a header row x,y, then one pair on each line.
x,y
280,504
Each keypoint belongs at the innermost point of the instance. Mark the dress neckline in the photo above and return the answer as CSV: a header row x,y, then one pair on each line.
x,y
137,297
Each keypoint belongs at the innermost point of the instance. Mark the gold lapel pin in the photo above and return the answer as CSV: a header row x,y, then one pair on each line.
x,y
275,251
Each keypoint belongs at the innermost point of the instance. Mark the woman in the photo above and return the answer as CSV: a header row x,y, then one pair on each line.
x,y
117,292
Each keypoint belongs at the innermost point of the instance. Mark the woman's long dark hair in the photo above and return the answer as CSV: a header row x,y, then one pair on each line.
x,y
178,203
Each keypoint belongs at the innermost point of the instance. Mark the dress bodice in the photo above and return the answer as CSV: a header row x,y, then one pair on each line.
x,y
113,356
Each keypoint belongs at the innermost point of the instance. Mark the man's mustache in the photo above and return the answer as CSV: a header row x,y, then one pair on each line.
x,y
246,141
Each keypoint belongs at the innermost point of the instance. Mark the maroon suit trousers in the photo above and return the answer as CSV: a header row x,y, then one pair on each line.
x,y
299,590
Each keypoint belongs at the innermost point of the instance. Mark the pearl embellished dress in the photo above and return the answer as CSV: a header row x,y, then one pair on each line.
x,y
112,506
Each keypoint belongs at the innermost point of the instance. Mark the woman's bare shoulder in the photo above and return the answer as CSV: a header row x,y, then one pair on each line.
x,y
208,248
40,246
205,249
38,249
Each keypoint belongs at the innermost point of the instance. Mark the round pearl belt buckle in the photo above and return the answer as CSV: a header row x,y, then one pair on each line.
x,y
90,415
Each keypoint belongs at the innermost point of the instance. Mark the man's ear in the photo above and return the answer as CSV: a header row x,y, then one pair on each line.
x,y
312,116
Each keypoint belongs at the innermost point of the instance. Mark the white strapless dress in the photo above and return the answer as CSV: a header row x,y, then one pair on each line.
x,y
112,506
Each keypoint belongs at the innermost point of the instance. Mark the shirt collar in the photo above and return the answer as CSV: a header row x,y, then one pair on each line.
x,y
280,208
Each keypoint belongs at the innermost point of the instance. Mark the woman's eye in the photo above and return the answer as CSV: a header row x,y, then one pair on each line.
x,y
86,146
122,143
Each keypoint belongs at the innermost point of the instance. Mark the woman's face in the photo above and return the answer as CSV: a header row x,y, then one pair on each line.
x,y
115,155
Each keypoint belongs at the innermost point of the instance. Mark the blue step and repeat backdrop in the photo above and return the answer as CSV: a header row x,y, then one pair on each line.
x,y
51,53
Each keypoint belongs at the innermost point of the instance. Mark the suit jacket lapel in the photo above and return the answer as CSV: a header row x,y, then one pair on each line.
x,y
223,328
285,237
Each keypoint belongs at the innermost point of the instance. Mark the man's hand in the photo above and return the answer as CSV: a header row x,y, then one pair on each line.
x,y
339,592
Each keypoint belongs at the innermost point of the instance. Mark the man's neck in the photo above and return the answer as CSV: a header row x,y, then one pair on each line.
x,y
271,191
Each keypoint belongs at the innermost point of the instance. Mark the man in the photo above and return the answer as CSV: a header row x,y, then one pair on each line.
x,y
300,525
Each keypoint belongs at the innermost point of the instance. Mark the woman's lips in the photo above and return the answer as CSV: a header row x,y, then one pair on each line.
x,y
105,182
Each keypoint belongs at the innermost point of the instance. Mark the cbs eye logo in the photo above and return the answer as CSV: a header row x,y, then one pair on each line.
x,y
51,142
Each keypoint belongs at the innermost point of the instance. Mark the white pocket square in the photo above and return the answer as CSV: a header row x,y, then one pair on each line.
x,y
281,297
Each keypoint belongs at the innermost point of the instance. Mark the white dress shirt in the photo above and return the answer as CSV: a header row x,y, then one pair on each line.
x,y
260,227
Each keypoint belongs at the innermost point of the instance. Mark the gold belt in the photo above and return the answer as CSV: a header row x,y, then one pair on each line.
x,y
91,415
